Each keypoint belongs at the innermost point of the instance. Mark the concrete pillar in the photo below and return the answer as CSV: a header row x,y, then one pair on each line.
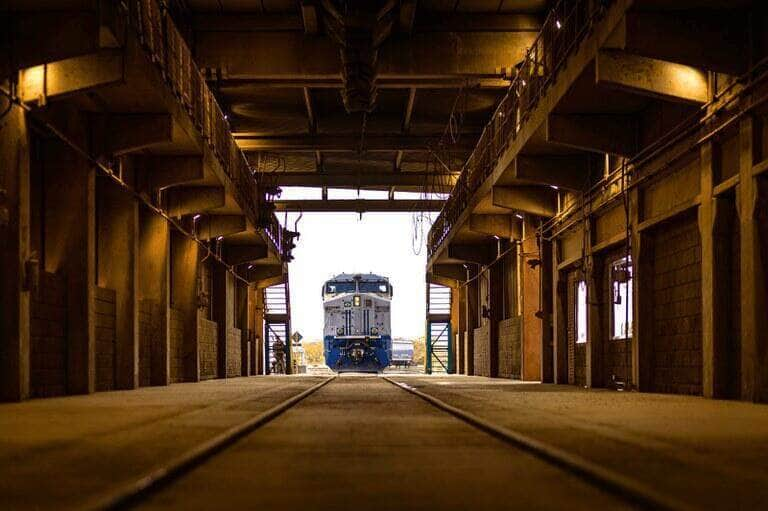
x,y
559,322
496,309
461,305
547,344
223,303
14,256
642,289
257,306
242,322
70,250
184,300
752,205
118,246
472,321
531,328
154,292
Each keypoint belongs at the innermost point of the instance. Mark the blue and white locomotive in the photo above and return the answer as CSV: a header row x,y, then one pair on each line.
x,y
357,334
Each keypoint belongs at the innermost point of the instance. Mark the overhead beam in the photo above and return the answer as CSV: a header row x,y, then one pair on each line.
x,y
409,109
407,15
213,226
163,171
265,275
712,39
503,226
450,271
651,77
231,82
126,133
188,200
293,55
309,105
309,17
604,133
75,75
569,172
240,254
532,200
341,143
477,22
358,205
437,182
479,254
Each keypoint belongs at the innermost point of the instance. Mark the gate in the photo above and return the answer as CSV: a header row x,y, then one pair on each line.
x,y
439,353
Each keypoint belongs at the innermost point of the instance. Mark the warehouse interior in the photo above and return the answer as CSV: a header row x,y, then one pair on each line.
x,y
597,174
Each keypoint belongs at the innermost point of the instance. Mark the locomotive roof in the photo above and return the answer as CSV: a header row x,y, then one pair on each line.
x,y
362,277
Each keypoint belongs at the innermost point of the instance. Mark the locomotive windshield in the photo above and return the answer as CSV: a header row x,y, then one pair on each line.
x,y
340,287
374,287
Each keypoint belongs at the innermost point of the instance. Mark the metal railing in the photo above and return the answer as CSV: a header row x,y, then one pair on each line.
x,y
565,27
168,50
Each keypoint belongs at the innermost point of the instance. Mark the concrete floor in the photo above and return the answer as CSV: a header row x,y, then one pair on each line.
x,y
361,442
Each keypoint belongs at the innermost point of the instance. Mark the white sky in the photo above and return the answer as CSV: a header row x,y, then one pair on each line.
x,y
381,243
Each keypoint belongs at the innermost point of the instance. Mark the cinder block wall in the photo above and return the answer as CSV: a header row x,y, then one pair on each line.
x,y
482,351
510,357
48,337
207,337
105,339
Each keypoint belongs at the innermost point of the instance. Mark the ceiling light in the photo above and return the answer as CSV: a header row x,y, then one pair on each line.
x,y
558,24
220,238
196,218
518,215
554,187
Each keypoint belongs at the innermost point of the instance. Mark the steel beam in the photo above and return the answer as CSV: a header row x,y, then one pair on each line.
x,y
436,182
569,172
359,205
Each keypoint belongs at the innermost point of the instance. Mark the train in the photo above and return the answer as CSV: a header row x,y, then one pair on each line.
x,y
357,333
402,352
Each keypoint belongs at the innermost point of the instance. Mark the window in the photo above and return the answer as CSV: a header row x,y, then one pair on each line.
x,y
581,312
621,291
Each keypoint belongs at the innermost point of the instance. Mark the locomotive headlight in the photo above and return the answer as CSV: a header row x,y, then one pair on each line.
x,y
374,331
340,331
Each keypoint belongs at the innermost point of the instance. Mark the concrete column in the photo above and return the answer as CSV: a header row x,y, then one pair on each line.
x,y
154,290
14,255
461,305
242,322
184,287
559,322
118,246
70,250
531,330
472,321
547,344
496,308
257,301
752,205
642,289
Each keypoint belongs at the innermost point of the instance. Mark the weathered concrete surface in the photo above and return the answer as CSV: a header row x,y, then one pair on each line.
x,y
58,453
362,443
713,454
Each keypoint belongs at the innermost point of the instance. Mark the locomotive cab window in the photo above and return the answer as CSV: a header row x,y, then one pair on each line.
x,y
581,312
621,291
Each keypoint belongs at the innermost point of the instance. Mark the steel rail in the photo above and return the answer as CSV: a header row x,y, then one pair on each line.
x,y
632,490
133,491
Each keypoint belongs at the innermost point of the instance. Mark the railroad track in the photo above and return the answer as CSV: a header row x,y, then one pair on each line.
x,y
627,489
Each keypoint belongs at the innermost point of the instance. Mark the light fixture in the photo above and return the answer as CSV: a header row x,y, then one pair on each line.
x,y
558,24
523,82
250,266
554,187
226,117
219,238
496,237
518,215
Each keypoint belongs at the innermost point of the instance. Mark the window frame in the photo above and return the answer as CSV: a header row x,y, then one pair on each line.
x,y
626,261
576,305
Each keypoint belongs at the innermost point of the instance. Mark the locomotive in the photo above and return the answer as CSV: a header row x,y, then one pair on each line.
x,y
357,334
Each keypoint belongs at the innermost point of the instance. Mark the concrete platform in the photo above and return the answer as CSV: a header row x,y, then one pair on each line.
x,y
361,442
60,453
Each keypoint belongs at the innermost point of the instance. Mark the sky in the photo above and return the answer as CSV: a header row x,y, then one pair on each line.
x,y
381,243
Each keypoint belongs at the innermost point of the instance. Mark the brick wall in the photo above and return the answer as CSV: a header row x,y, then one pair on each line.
x,y
577,353
677,358
482,350
48,342
510,361
176,345
150,337
234,349
207,341
105,338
